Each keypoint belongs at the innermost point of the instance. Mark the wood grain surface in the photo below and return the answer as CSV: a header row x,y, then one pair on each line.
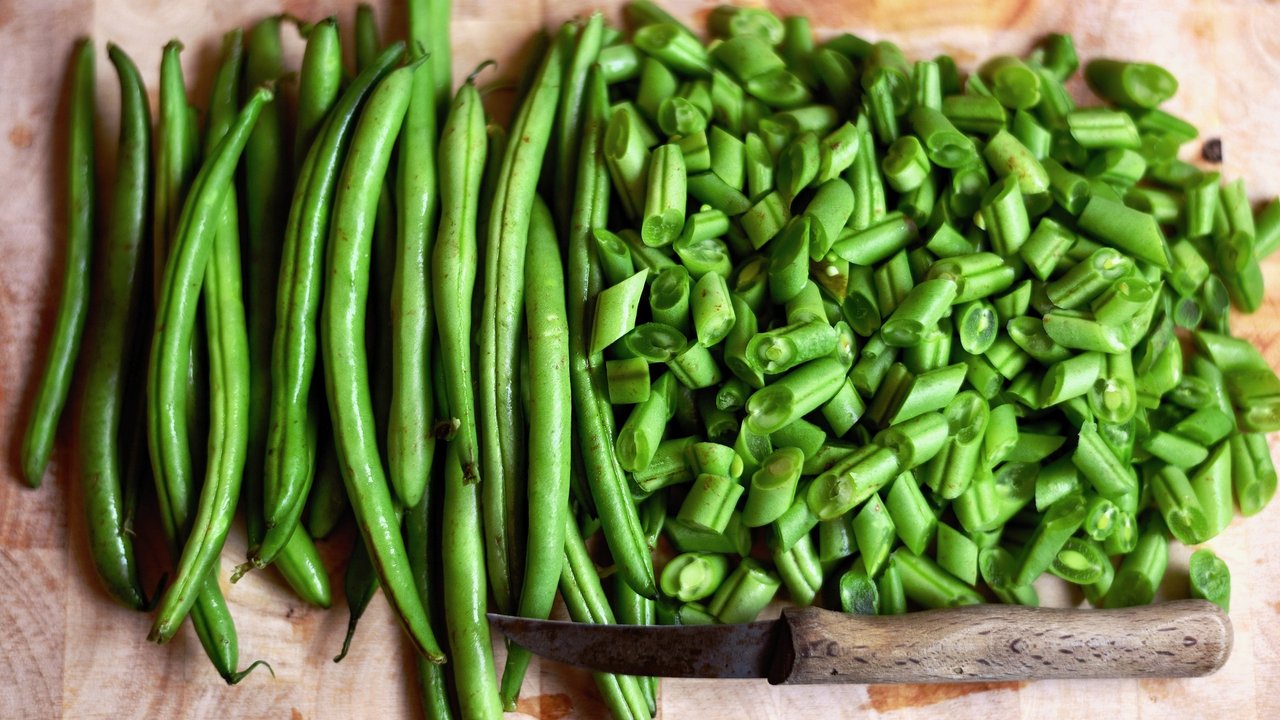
x,y
67,651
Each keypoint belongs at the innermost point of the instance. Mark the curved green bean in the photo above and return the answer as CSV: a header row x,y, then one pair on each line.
x,y
291,454
208,243
500,325
109,337
345,358
64,345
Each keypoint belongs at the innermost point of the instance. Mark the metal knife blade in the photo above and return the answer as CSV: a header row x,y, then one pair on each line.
x,y
691,651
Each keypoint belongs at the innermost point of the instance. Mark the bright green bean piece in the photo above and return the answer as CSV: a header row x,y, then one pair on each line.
x,y
712,309
1130,84
616,310
1142,569
628,381
694,576
664,204
745,593
1210,578
926,583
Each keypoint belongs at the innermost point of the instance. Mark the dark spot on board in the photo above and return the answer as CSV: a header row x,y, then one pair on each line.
x,y
21,136
547,707
886,698
1211,150
296,714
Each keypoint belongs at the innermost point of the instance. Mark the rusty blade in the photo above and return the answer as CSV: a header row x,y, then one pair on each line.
x,y
690,651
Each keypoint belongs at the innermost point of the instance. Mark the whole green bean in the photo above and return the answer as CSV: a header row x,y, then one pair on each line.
x,y
109,337
462,162
345,358
291,454
464,594
498,384
64,345
550,421
319,85
207,244
410,435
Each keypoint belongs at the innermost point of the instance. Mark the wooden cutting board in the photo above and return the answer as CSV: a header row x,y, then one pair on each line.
x,y
67,651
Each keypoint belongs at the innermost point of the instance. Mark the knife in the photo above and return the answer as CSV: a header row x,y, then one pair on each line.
x,y
1183,638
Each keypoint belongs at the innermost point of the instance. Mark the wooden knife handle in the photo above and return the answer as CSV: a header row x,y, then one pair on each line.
x,y
1185,638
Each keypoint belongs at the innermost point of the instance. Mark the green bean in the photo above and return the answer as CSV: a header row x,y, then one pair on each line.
x,y
628,380
103,401
675,47
1012,82
797,393
800,570
266,172
710,502
957,554
639,436
913,520
500,328
207,244
998,567
925,582
319,86
1142,569
1210,578
176,152
64,346
1096,128
765,219
781,349
851,481
423,539
608,485
695,367
616,310
410,437
549,419
627,155
664,205
453,266
1253,474
1130,84
1058,524
923,393
947,147
923,307
694,576
877,243
712,309
974,113
569,112
773,487
1268,230
345,362
464,598
1004,213
746,592
905,165
290,452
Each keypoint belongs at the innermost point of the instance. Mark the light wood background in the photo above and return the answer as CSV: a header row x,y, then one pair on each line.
x,y
65,650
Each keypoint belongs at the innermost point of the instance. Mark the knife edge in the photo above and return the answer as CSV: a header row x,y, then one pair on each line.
x,y
686,651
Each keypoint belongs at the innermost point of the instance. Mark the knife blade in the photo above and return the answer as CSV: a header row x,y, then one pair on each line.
x,y
980,643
